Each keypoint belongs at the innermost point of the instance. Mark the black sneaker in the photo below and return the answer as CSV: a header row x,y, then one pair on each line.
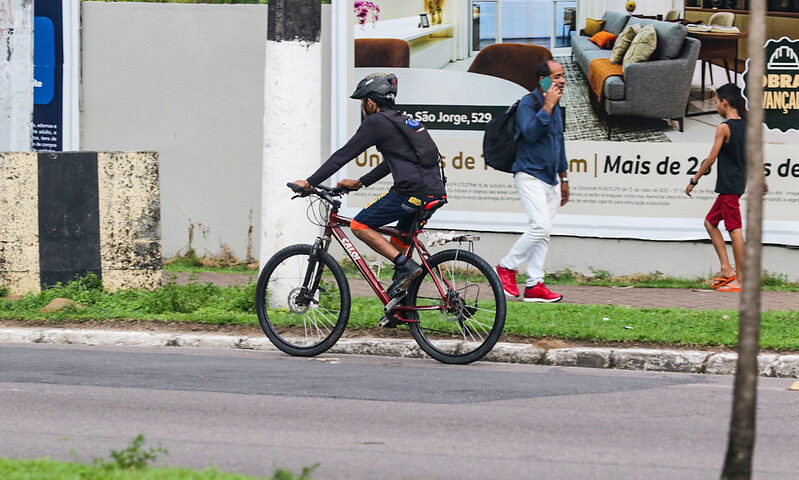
x,y
403,276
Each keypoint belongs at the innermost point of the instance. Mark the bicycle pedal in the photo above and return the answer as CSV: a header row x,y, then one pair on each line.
x,y
386,322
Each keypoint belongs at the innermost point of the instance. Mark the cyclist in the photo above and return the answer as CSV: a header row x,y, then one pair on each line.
x,y
410,156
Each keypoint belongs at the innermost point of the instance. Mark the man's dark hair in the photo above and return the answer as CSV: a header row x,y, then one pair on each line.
x,y
381,101
732,94
542,69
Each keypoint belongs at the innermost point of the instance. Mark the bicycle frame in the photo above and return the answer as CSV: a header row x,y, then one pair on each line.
x,y
335,229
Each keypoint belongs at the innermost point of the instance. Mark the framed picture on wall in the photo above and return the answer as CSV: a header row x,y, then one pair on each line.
x,y
423,20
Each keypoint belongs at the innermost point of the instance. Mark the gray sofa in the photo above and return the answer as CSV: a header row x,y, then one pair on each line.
x,y
657,88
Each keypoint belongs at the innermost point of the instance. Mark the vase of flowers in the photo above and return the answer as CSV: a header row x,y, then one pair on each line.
x,y
365,9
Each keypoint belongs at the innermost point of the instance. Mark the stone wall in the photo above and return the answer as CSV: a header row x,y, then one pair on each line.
x,y
66,214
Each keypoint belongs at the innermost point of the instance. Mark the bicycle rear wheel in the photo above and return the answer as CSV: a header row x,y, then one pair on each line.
x,y
473,316
302,301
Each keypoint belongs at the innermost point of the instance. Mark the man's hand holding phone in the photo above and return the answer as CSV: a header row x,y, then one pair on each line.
x,y
552,95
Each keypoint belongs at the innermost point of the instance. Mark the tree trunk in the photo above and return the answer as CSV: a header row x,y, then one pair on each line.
x,y
740,446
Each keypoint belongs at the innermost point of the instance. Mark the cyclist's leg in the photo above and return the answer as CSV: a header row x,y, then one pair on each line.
x,y
386,209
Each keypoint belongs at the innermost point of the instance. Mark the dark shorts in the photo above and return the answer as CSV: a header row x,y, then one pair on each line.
x,y
391,207
726,208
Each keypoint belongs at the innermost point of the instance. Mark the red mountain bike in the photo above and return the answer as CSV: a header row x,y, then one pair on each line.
x,y
455,309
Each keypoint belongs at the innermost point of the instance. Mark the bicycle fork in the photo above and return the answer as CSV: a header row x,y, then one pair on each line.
x,y
313,273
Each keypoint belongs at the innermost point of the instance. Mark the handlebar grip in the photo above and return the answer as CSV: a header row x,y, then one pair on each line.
x,y
294,187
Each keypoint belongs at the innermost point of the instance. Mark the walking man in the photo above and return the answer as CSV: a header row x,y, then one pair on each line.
x,y
540,175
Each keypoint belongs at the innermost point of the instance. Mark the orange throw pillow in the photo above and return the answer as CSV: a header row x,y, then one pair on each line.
x,y
604,39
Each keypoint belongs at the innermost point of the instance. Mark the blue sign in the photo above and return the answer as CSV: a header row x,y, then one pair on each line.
x,y
43,60
48,77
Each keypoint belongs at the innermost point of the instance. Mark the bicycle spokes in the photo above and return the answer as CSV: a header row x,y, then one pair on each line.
x,y
470,313
303,303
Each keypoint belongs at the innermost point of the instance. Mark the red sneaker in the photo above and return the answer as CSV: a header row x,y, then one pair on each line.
x,y
540,293
508,279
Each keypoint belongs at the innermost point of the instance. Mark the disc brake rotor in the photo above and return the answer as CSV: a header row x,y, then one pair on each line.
x,y
295,307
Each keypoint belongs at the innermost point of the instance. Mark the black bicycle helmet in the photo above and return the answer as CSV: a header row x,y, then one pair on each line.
x,y
383,85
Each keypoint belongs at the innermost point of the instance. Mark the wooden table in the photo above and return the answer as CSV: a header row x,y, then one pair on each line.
x,y
723,46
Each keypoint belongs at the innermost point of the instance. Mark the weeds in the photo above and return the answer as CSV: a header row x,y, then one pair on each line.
x,y
4,290
134,457
282,474
774,279
602,275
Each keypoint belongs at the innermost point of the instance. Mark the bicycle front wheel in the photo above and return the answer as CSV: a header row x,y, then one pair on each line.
x,y
302,300
469,320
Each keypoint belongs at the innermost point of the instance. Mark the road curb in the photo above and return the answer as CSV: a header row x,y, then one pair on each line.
x,y
684,361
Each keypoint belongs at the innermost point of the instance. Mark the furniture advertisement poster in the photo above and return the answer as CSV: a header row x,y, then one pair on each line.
x,y
630,185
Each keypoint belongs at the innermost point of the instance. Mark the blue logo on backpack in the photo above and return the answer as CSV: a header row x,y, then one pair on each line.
x,y
412,123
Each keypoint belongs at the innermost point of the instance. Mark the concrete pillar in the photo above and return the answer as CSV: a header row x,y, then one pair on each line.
x,y
16,75
292,121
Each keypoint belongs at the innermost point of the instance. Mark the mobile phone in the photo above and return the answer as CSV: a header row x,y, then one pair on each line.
x,y
546,82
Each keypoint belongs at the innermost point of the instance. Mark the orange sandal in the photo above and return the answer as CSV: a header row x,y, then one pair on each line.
x,y
721,281
728,289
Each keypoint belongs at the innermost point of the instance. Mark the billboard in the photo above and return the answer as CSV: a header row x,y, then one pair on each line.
x,y
633,141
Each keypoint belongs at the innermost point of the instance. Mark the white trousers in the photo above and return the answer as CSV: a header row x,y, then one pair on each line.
x,y
541,201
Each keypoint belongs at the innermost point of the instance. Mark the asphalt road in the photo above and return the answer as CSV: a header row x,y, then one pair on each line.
x,y
381,418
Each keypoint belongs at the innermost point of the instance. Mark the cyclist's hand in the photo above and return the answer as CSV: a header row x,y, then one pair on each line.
x,y
351,185
303,184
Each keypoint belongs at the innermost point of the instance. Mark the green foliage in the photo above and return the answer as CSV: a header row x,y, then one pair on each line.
x,y
774,279
167,302
600,274
566,276
282,474
133,457
178,299
14,469
4,290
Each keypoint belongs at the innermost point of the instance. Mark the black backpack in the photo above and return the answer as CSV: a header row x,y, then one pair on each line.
x,y
417,135
499,146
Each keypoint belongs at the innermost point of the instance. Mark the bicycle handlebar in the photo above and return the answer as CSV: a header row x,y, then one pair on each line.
x,y
323,192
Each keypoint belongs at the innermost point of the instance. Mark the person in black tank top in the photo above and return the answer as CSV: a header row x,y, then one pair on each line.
x,y
730,149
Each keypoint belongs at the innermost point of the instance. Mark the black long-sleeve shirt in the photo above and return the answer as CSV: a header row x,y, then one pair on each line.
x,y
410,178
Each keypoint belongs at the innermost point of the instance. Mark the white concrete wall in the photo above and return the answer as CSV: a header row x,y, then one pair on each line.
x,y
16,74
186,81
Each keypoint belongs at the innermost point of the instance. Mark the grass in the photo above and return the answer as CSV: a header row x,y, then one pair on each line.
x,y
130,463
213,305
16,469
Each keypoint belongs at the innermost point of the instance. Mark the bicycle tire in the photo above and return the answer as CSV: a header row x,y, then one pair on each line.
x,y
303,329
472,326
